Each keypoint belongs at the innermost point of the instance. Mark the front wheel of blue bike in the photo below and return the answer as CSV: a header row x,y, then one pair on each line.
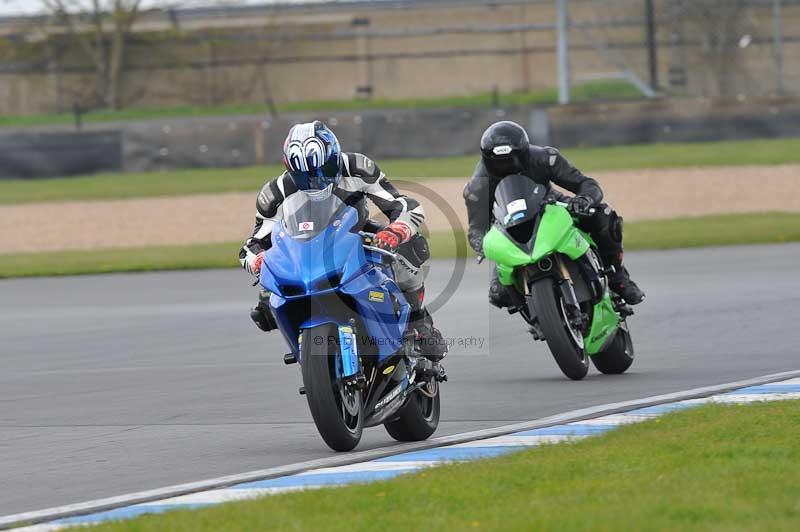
x,y
337,408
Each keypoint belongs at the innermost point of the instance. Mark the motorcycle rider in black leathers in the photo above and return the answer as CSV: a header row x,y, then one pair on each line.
x,y
314,162
506,150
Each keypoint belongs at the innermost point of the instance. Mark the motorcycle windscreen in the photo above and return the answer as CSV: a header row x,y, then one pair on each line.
x,y
518,200
307,214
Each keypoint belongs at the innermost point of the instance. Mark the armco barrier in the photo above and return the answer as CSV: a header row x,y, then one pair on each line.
x,y
31,155
223,142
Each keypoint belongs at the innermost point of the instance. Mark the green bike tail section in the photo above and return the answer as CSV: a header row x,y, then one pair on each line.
x,y
604,324
556,234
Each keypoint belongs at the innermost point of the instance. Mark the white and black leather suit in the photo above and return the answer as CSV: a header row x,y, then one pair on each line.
x,y
361,180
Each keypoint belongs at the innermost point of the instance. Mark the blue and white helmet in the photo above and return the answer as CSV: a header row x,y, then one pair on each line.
x,y
312,156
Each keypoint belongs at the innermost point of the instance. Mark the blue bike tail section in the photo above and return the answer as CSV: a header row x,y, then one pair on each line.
x,y
330,278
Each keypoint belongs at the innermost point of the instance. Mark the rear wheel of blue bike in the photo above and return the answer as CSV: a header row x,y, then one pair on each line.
x,y
419,417
337,408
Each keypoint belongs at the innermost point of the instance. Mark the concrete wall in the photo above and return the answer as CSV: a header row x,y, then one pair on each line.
x,y
240,141
35,155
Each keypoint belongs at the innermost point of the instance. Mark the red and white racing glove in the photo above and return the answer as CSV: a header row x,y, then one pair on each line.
x,y
396,233
255,264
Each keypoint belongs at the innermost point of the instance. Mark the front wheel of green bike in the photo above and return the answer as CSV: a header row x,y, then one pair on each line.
x,y
564,339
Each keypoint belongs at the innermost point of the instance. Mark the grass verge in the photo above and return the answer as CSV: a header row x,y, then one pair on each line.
x,y
656,234
80,262
584,92
720,230
250,179
717,467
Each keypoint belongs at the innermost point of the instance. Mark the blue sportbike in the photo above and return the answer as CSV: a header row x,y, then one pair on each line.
x,y
339,308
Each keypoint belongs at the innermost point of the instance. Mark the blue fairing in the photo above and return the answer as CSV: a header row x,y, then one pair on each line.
x,y
301,272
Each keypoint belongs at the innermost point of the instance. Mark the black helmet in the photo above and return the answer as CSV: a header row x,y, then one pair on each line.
x,y
504,149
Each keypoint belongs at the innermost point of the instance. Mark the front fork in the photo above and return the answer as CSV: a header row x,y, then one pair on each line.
x,y
349,367
565,283
567,286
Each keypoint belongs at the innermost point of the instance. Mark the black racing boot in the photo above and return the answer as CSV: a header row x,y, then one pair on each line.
x,y
621,283
605,226
499,295
262,315
429,340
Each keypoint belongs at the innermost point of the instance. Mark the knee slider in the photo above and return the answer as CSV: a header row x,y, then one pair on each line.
x,y
416,250
607,223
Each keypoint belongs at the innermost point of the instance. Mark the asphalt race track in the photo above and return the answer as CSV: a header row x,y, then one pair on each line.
x,y
118,383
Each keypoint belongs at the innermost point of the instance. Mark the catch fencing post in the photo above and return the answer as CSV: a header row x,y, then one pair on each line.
x,y
539,126
562,27
652,53
777,43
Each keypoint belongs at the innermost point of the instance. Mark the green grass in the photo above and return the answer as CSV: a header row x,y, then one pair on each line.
x,y
716,467
79,262
196,181
718,230
250,179
657,234
584,92
764,152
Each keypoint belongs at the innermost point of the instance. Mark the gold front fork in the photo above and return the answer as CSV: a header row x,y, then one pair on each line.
x,y
563,269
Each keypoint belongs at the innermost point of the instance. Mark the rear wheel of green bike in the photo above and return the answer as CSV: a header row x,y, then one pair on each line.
x,y
618,356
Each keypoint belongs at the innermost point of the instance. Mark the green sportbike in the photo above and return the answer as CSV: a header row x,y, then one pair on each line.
x,y
558,282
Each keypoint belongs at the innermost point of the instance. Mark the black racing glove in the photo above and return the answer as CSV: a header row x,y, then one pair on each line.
x,y
580,205
476,242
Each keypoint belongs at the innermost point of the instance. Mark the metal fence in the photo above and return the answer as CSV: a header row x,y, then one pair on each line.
x,y
710,48
415,49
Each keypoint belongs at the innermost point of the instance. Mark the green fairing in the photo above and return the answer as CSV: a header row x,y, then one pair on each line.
x,y
507,255
505,274
557,232
501,249
588,238
604,325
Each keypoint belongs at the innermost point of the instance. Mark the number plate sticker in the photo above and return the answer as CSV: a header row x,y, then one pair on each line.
x,y
517,206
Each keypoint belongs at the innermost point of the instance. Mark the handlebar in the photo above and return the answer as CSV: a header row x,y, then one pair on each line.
x,y
592,210
380,251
